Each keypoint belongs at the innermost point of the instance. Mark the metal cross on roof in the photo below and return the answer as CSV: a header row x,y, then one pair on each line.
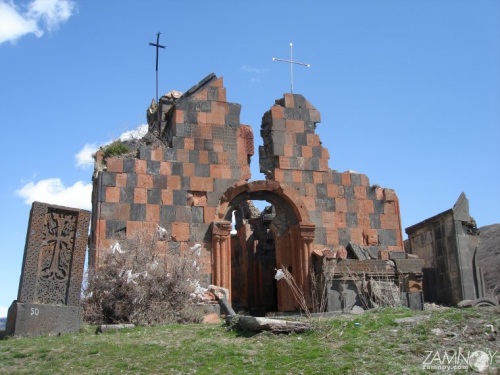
x,y
291,65
157,45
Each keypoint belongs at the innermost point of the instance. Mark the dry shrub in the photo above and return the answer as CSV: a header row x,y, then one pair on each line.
x,y
135,284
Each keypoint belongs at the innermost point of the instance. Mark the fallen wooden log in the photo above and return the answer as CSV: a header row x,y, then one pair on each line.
x,y
112,327
251,323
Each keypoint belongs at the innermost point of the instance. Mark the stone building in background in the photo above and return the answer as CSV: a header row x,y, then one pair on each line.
x,y
448,244
191,176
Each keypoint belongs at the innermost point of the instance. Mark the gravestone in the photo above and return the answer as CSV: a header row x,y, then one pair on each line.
x,y
48,300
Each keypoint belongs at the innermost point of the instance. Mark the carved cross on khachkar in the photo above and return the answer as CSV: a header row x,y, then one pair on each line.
x,y
157,45
291,65
48,300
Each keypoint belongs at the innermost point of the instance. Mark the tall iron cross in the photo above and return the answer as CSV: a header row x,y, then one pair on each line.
x,y
291,65
157,45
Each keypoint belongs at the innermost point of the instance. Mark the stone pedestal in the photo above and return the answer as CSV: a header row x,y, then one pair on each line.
x,y
30,319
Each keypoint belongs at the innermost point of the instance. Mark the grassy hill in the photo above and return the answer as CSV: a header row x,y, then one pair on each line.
x,y
385,341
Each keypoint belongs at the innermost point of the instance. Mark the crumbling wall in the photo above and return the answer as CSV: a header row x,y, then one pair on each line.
x,y
177,182
343,206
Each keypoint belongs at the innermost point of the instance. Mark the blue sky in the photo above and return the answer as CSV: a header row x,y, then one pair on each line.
x,y
409,91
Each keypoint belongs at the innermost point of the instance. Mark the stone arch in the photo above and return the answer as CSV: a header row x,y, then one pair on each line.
x,y
293,246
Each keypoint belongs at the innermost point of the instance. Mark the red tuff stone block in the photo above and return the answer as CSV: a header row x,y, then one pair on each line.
x,y
112,194
209,214
315,115
140,195
368,206
188,169
165,167
222,94
360,192
180,232
225,172
313,140
297,176
284,163
215,171
307,152
188,143
202,118
203,157
114,165
341,205
295,126
310,203
352,205
140,166
318,177
277,112
364,180
216,118
167,197
346,179
145,181
174,182
179,116
357,235
183,156
218,145
379,193
279,175
339,219
219,82
363,220
325,154
383,254
328,218
220,107
332,235
201,95
123,211
389,221
288,151
153,213
323,165
202,183
310,189
121,179
332,191
157,154
289,103
134,228
341,252
390,207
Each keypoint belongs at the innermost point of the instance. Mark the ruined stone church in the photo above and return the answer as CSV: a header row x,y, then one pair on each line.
x,y
191,176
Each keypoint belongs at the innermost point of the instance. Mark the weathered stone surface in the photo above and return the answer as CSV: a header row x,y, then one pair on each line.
x,y
29,319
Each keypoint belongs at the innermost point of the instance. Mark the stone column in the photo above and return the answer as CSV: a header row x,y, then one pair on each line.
x,y
306,241
222,254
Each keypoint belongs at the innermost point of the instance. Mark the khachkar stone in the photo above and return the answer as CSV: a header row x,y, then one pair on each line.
x,y
48,300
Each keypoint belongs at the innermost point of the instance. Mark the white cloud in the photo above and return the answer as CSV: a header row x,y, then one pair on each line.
x,y
53,191
84,157
3,311
137,133
39,16
249,69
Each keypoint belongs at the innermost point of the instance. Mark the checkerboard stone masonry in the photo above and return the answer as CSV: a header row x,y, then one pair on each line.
x,y
185,183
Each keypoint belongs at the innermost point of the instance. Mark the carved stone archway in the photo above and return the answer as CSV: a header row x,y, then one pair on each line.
x,y
293,244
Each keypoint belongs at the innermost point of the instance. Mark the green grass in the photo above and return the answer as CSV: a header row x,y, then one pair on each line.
x,y
371,343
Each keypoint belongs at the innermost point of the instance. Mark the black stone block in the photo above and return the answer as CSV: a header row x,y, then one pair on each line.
x,y
387,237
177,169
197,214
337,178
167,214
375,221
317,152
179,197
309,127
321,191
115,228
378,206
185,183
160,181
128,165
202,170
344,236
351,219
355,179
154,196
178,142
153,167
108,178
145,153
183,214
194,156
137,212
349,192
169,154
212,93
131,180
301,139
127,195
213,158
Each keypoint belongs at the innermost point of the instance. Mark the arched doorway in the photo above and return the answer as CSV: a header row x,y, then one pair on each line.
x,y
285,236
